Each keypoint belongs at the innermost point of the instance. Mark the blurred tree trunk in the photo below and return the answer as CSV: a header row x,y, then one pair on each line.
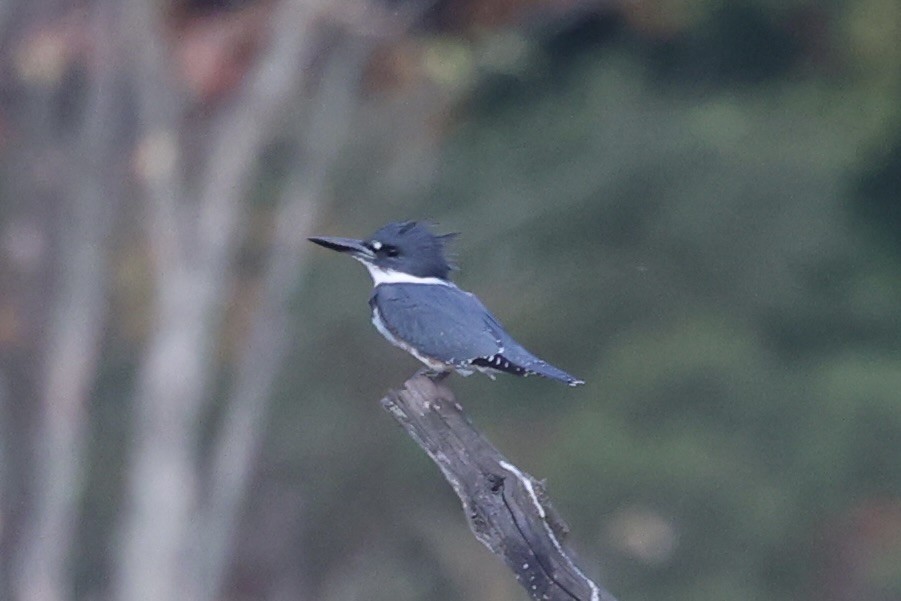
x,y
134,112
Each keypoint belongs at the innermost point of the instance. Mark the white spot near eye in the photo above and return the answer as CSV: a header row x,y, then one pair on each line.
x,y
376,245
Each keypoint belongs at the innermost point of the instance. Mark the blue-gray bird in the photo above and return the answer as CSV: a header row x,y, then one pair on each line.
x,y
417,308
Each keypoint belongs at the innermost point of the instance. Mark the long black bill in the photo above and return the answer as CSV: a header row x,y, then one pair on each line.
x,y
343,245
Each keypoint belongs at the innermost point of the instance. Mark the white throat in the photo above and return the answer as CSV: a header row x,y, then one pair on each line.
x,y
390,276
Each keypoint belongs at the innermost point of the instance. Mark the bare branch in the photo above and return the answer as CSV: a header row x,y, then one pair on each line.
x,y
194,251
262,359
507,509
241,132
87,199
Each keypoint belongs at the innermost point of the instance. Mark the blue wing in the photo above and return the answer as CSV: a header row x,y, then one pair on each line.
x,y
441,322
453,326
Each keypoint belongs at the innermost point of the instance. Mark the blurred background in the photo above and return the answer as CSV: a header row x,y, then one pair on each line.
x,y
694,205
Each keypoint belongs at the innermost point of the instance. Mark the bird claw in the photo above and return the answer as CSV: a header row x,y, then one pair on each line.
x,y
432,374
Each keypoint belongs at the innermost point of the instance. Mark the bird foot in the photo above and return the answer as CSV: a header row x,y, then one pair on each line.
x,y
432,374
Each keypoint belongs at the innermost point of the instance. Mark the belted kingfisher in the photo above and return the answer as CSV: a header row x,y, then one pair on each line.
x,y
417,308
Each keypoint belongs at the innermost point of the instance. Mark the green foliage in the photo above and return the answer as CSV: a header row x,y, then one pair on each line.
x,y
685,220
688,250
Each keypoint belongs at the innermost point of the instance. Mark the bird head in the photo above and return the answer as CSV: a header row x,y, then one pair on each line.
x,y
404,248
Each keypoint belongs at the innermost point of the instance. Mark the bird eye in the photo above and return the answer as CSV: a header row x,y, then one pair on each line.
x,y
391,251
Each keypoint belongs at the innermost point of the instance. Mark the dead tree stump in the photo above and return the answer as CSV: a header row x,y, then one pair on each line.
x,y
507,508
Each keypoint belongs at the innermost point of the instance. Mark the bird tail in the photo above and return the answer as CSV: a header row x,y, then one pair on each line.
x,y
516,360
545,369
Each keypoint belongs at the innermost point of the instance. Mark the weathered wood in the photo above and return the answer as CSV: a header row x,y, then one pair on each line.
x,y
507,508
